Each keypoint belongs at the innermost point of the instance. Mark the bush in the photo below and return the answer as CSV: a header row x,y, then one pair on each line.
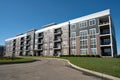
x,y
80,56
118,56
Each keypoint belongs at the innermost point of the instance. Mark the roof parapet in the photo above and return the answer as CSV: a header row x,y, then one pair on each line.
x,y
48,25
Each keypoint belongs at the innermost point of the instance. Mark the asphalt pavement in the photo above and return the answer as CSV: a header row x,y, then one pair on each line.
x,y
43,69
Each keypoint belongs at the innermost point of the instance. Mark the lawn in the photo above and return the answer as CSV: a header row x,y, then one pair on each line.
x,y
109,66
5,60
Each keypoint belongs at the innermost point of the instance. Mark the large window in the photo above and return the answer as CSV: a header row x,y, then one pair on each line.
x,y
73,42
105,41
51,45
93,41
65,35
83,44
73,34
65,28
73,51
83,33
65,51
92,31
92,22
45,39
83,51
73,27
83,24
51,38
65,43
93,50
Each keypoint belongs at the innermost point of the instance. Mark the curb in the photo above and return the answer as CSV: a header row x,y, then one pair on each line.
x,y
102,75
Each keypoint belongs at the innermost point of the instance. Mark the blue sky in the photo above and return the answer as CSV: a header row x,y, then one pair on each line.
x,y
19,16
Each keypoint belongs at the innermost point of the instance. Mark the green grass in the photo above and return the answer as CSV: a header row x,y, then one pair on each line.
x,y
109,66
15,60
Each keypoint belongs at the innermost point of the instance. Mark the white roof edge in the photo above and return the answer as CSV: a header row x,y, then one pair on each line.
x,y
15,37
52,27
90,16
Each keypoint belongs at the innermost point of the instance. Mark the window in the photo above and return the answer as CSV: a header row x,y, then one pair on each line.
x,y
73,51
83,33
92,22
93,41
106,41
73,34
45,45
73,27
65,43
45,52
65,35
50,32
73,47
83,44
65,28
92,31
51,52
83,51
83,24
73,42
51,39
51,45
45,33
65,51
46,39
93,50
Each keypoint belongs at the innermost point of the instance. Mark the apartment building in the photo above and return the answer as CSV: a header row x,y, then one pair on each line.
x,y
93,34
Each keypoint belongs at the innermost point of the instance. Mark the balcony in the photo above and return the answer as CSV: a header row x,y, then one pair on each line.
x,y
22,43
104,31
14,45
40,48
104,21
22,40
58,32
40,41
57,47
105,41
28,48
57,40
106,51
13,49
28,44
28,38
22,48
40,36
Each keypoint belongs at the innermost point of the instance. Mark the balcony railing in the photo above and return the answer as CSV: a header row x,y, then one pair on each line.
x,y
103,23
28,38
105,41
105,31
58,40
40,48
57,47
40,42
58,32
41,36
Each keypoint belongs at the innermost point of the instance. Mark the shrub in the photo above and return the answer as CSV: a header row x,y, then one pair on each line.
x,y
118,56
79,55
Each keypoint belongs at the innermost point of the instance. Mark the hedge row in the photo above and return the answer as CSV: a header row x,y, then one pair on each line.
x,y
80,56
118,56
